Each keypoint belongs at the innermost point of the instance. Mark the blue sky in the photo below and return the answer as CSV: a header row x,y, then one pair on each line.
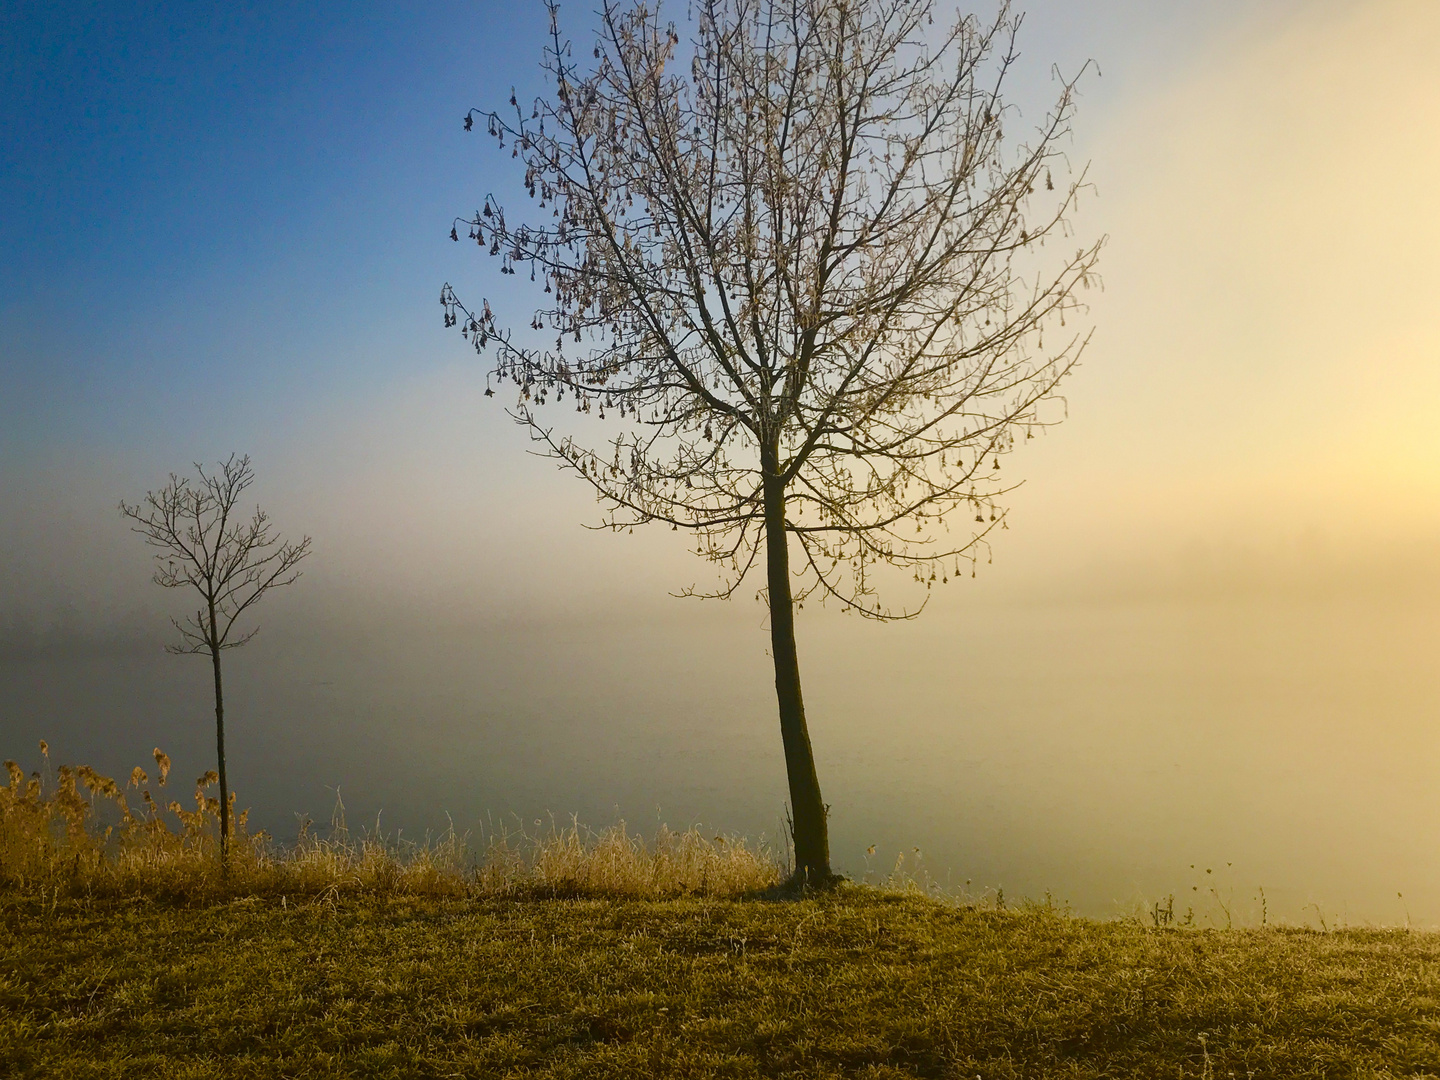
x,y
230,208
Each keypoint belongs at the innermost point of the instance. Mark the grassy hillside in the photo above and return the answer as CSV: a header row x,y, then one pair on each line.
x,y
859,983
127,950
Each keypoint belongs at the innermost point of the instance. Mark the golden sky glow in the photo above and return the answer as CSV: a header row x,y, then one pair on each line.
x,y
1265,373
1268,349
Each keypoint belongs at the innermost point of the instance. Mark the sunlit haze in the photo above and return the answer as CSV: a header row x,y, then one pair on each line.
x,y
1206,639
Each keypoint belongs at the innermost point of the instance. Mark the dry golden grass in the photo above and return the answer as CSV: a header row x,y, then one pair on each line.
x,y
77,833
125,951
854,983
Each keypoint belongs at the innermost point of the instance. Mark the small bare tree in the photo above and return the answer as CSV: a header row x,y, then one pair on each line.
x,y
206,543
803,269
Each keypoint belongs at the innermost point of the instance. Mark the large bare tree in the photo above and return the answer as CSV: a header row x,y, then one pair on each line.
x,y
800,266
207,543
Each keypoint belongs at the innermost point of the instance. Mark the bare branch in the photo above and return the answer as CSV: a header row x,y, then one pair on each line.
x,y
807,236
806,272
203,543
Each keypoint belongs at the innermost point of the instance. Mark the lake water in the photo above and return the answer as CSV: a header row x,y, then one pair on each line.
x,y
1095,752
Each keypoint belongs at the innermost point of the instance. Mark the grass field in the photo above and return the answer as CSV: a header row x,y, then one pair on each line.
x,y
126,950
855,983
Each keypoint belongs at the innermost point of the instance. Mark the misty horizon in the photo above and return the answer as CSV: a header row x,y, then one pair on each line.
x,y
1206,636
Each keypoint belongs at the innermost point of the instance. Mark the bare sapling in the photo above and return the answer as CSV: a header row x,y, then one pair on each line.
x,y
205,542
816,285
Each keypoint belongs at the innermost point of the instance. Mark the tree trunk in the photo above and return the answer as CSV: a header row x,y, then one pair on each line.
x,y
811,834
220,754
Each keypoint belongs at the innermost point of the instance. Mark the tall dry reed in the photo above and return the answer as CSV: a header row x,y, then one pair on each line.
x,y
72,830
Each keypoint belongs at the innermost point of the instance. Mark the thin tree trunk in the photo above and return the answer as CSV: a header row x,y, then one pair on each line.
x,y
220,754
811,834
